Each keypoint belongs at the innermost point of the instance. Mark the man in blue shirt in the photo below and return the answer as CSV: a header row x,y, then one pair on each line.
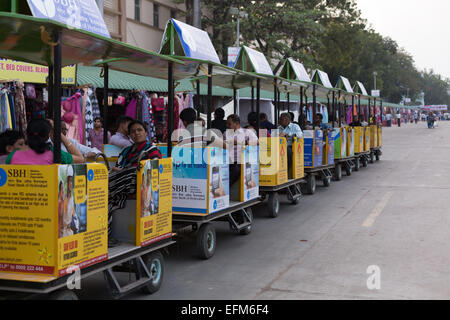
x,y
319,122
288,129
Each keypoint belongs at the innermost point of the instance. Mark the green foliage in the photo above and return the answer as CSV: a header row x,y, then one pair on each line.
x,y
325,34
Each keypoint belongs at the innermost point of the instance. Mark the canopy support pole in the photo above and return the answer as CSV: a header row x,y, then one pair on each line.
x,y
339,108
198,95
359,106
50,82
333,109
314,107
210,101
279,103
289,102
275,104
328,108
105,103
368,111
170,113
253,98
258,104
374,121
234,101
56,89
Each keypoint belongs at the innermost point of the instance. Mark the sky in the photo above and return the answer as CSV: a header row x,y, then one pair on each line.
x,y
421,27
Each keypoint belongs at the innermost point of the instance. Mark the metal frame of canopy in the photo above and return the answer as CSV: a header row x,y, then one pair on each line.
x,y
56,45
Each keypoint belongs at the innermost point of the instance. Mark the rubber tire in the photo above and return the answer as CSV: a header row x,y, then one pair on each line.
x,y
338,172
273,205
64,294
357,164
364,162
326,182
311,184
377,157
348,171
206,241
155,264
248,230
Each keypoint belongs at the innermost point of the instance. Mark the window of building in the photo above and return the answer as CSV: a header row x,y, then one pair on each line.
x,y
137,10
156,15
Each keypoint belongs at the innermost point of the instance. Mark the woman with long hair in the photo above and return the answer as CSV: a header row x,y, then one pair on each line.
x,y
39,151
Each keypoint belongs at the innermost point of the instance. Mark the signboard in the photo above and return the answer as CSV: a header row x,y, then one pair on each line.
x,y
346,84
233,53
196,43
33,73
362,89
250,174
259,61
200,180
324,78
154,208
52,218
79,14
273,161
376,93
299,70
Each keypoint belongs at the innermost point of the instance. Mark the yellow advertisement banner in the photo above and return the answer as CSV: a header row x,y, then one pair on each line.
x,y
359,142
298,161
33,73
366,139
273,161
380,136
83,216
28,219
52,218
154,205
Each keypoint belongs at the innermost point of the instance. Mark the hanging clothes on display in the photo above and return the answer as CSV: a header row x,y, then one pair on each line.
x,y
94,102
147,115
131,109
71,115
19,102
349,117
5,116
89,119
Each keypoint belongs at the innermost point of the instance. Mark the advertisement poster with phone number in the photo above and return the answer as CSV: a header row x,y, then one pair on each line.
x,y
250,174
218,174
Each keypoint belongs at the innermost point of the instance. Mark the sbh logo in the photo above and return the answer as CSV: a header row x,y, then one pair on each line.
x,y
374,281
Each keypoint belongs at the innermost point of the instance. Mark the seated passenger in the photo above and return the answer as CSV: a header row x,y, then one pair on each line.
x,y
319,122
236,138
39,151
219,122
123,176
121,139
265,123
356,122
10,140
86,151
289,130
195,134
252,119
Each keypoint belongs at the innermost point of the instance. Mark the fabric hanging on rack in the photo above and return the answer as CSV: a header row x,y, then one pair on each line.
x,y
325,115
71,115
131,109
94,102
12,111
19,102
180,97
89,120
5,118
309,114
147,115
349,115
176,117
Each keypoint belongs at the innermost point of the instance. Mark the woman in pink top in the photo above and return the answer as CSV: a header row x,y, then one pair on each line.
x,y
39,151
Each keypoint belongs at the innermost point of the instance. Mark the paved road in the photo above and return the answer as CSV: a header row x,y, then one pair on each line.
x,y
393,215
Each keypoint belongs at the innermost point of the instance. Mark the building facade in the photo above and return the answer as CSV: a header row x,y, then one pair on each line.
x,y
140,23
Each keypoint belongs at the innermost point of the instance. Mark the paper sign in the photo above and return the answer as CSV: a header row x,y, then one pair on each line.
x,y
79,14
196,43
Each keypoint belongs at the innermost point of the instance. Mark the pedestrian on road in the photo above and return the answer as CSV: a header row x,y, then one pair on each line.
x,y
399,118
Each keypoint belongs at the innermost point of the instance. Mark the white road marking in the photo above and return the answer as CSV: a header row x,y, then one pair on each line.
x,y
377,211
